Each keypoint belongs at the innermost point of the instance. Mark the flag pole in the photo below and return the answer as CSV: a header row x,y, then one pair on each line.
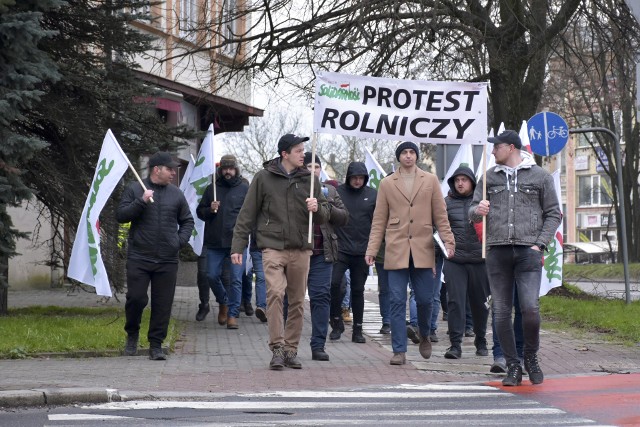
x,y
484,197
313,181
135,172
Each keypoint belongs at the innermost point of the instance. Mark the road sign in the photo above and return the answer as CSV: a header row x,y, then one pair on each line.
x,y
548,133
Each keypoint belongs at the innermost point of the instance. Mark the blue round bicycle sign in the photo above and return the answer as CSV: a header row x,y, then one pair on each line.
x,y
548,133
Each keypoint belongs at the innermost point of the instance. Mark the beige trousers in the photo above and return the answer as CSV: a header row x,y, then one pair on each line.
x,y
285,271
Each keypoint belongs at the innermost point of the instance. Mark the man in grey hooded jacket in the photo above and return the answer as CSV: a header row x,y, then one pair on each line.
x,y
522,213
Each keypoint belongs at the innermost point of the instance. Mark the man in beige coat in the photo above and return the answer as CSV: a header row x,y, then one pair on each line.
x,y
410,203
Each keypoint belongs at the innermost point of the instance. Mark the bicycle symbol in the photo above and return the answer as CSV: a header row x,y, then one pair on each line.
x,y
558,131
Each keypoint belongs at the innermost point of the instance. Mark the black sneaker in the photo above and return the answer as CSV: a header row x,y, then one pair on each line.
x,y
277,360
386,329
412,334
203,310
514,375
482,351
337,326
156,353
248,309
261,314
291,360
319,354
533,368
131,347
453,352
433,337
469,333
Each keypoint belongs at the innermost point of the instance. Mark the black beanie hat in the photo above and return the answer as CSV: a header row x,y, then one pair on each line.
x,y
404,146
307,159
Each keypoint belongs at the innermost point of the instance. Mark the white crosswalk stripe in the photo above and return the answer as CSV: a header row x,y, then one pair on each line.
x,y
409,405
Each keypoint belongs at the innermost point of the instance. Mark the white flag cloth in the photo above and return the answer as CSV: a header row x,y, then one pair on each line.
x,y
376,173
464,157
86,263
194,183
553,259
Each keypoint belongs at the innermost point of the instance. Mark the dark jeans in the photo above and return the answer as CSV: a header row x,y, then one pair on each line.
x,y
359,270
319,288
467,283
422,280
204,284
215,261
383,292
517,330
519,267
162,277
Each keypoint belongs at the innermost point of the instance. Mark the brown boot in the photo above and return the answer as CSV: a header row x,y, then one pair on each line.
x,y
222,314
232,323
425,347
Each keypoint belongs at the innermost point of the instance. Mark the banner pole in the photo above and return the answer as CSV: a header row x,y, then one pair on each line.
x,y
135,172
484,197
313,181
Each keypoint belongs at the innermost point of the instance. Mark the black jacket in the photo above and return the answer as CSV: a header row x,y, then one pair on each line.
x,y
218,229
468,246
159,229
353,238
338,217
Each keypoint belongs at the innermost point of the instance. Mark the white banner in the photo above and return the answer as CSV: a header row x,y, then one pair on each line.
x,y
85,264
376,173
407,110
194,183
553,259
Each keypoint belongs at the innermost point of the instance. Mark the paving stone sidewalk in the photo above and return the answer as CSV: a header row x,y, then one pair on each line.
x,y
210,359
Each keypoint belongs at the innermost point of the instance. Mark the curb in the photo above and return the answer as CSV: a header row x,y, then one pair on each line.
x,y
58,396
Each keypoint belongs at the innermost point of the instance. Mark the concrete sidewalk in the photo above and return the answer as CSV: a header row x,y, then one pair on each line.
x,y
210,360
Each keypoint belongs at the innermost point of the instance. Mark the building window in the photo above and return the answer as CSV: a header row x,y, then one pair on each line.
x,y
594,190
230,26
188,22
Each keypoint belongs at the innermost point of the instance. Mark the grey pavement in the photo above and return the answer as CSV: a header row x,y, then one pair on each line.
x,y
210,360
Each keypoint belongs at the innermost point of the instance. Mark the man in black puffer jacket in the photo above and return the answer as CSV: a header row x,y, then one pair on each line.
x,y
360,201
159,228
465,272
220,214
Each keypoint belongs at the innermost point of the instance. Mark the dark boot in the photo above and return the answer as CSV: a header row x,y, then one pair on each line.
x,y
337,328
277,360
203,310
291,360
248,309
357,336
131,347
514,375
533,368
453,352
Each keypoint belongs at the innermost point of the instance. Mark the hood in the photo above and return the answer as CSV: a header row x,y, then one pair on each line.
x,y
462,170
274,166
526,163
357,168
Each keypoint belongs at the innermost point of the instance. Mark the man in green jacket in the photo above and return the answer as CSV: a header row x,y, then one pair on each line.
x,y
278,206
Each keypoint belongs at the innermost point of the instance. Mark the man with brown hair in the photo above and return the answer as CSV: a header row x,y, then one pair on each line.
x,y
277,206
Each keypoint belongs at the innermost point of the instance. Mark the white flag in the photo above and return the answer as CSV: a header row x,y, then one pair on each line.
x,y
376,173
553,259
464,157
86,263
194,183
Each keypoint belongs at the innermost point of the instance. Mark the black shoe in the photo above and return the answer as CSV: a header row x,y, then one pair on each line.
x,y
131,347
291,360
261,314
203,310
337,326
514,375
386,329
482,351
433,337
445,317
453,352
356,335
248,309
277,360
412,334
499,365
469,333
156,353
241,307
533,368
319,355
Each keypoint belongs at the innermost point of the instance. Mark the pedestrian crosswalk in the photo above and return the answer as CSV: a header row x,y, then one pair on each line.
x,y
407,405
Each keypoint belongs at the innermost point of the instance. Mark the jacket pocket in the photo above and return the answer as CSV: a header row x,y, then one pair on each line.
x,y
393,222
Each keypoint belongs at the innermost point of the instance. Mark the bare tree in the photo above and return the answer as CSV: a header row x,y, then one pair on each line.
x,y
592,82
506,42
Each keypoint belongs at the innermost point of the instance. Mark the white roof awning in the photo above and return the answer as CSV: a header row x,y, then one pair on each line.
x,y
591,247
